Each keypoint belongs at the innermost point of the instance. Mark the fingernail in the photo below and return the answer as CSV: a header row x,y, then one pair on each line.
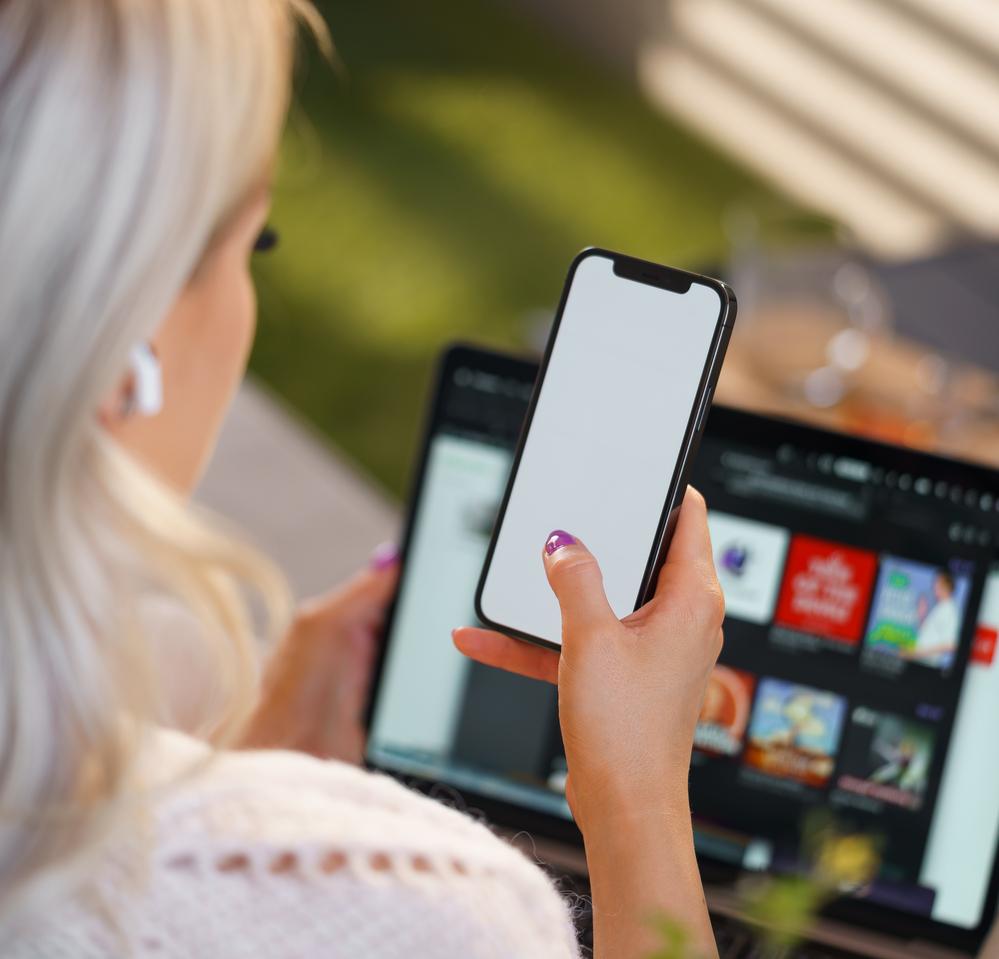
x,y
557,539
384,556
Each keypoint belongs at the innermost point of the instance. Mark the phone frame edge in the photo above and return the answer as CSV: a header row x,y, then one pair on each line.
x,y
691,440
670,511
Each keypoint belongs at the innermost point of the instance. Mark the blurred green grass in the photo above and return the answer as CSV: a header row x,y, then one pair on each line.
x,y
437,188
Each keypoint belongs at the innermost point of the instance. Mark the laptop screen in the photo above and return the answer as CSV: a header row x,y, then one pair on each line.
x,y
859,674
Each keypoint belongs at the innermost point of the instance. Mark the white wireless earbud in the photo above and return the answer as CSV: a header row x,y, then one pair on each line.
x,y
147,387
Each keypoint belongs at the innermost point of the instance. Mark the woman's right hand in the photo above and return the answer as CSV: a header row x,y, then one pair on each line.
x,y
630,692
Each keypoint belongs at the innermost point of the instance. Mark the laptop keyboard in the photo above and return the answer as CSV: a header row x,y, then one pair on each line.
x,y
736,940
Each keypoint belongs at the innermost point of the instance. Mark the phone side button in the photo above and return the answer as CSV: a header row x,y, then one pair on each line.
x,y
702,414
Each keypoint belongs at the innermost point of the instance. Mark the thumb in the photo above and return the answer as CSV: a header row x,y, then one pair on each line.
x,y
362,597
575,578
370,587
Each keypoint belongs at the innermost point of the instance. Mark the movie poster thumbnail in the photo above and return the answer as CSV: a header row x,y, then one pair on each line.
x,y
918,612
794,732
725,713
749,558
983,650
887,758
827,588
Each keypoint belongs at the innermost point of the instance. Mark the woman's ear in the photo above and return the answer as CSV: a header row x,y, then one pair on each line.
x,y
146,398
140,391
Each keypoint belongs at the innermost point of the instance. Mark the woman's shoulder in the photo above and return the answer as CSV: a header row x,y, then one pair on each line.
x,y
278,854
347,852
275,797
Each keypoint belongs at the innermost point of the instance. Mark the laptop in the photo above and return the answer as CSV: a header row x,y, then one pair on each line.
x,y
859,678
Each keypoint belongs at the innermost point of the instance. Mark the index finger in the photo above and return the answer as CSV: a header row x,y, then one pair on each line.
x,y
494,649
690,558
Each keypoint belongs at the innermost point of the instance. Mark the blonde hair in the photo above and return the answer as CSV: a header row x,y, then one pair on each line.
x,y
130,130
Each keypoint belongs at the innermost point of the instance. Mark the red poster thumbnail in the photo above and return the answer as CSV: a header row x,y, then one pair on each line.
x,y
984,650
827,589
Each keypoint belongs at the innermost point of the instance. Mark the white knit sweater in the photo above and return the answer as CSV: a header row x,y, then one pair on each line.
x,y
274,855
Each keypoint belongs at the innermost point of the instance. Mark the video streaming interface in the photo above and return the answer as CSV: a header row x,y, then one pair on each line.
x,y
859,675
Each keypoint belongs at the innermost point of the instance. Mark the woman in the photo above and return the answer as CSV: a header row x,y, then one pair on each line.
x,y
136,143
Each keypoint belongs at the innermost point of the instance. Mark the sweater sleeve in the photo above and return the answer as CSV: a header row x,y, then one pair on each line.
x,y
280,855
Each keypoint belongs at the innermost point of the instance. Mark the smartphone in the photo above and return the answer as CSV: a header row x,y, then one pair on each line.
x,y
614,421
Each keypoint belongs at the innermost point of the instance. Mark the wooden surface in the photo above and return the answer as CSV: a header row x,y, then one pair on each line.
x,y
903,393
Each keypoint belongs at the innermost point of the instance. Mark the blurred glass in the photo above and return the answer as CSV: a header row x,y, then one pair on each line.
x,y
816,339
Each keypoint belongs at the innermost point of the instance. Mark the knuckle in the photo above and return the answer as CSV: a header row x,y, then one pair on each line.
x,y
710,604
584,631
714,597
716,602
570,565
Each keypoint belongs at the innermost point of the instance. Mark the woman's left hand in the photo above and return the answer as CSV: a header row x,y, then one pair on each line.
x,y
315,684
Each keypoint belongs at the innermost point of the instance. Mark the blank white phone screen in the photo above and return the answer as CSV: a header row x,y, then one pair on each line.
x,y
603,445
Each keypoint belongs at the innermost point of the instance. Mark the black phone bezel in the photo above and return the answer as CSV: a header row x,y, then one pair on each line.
x,y
727,423
664,277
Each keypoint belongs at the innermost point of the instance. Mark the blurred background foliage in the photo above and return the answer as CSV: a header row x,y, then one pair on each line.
x,y
436,187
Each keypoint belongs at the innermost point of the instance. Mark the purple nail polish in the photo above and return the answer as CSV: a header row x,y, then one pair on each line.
x,y
384,556
558,539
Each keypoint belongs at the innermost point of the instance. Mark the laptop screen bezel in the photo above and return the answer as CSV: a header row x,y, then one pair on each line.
x,y
723,422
